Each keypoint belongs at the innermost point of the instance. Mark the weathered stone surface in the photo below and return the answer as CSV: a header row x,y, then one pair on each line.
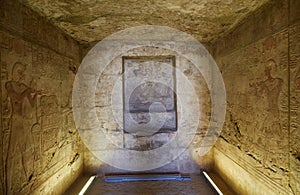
x,y
258,56
149,81
111,111
89,21
29,25
240,169
147,142
294,65
269,19
294,11
41,151
261,133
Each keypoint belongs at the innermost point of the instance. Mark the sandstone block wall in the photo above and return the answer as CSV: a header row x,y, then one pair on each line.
x,y
40,148
258,151
116,140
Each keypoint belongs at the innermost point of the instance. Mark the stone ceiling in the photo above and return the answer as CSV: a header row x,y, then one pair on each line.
x,y
92,20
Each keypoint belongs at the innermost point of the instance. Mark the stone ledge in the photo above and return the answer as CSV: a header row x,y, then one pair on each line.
x,y
245,170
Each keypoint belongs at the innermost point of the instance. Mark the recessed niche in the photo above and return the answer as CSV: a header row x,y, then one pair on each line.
x,y
149,95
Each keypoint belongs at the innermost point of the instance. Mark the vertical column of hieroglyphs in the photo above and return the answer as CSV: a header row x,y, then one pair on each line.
x,y
294,63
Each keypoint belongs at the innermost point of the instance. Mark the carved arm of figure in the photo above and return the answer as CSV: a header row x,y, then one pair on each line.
x,y
12,93
257,86
31,96
21,92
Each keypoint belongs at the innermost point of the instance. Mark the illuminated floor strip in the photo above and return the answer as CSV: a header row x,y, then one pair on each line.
x,y
212,183
86,186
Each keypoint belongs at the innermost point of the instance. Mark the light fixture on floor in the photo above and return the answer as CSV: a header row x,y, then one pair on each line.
x,y
87,185
147,177
212,183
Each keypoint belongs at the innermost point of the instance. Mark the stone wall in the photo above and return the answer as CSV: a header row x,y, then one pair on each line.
x,y
258,151
40,147
109,98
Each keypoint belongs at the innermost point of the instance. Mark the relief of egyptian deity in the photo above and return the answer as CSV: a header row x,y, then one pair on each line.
x,y
269,92
270,89
20,149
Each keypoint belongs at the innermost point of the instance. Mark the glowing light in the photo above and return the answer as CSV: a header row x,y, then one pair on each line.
x,y
87,185
212,183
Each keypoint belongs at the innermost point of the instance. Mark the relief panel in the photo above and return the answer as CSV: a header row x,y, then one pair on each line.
x,y
152,76
31,80
256,82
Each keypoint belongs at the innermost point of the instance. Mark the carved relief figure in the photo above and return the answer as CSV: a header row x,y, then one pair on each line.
x,y
269,91
20,128
272,88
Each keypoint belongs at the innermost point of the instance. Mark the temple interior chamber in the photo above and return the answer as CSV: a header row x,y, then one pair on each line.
x,y
150,97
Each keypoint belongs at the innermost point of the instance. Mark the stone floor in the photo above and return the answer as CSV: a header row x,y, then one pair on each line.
x,y
197,185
